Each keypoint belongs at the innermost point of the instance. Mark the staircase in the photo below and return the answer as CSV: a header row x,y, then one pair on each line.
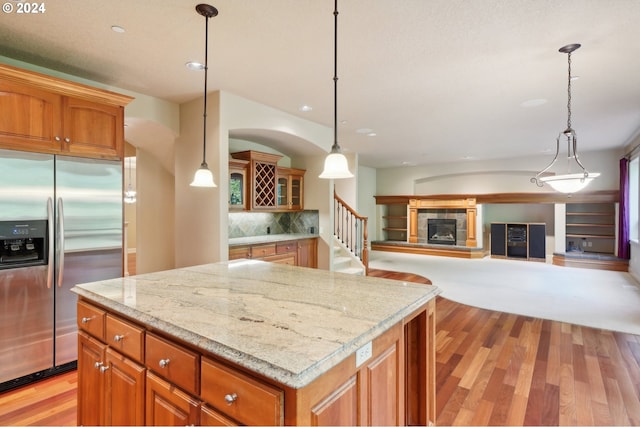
x,y
350,246
344,261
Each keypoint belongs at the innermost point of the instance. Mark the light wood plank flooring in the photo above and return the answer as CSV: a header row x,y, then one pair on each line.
x,y
492,369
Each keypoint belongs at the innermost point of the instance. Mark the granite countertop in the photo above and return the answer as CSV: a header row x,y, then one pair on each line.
x,y
269,238
287,323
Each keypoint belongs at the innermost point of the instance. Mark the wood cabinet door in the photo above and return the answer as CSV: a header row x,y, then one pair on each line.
x,y
296,185
167,405
92,129
30,118
308,253
211,417
384,394
124,397
91,383
264,185
340,408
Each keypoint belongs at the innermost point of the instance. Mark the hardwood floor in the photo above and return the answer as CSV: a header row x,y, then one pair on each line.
x,y
46,403
492,369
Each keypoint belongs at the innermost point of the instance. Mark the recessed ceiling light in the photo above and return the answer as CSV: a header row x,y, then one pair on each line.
x,y
371,134
194,65
117,29
343,122
405,163
305,108
534,102
364,131
574,78
467,157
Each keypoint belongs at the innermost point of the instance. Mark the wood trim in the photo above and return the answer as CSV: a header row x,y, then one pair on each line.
x,y
596,264
423,250
605,196
63,87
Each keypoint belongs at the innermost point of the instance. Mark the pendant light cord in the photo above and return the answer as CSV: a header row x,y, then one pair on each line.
x,y
569,93
206,69
335,78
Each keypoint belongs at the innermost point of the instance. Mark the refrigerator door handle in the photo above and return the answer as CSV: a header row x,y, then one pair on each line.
x,y
61,244
50,236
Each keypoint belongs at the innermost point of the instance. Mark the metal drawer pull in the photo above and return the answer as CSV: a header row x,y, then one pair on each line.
x,y
103,368
85,320
164,363
97,365
118,338
230,398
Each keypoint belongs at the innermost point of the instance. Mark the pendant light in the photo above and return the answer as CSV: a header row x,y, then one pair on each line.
x,y
203,176
569,182
335,165
130,194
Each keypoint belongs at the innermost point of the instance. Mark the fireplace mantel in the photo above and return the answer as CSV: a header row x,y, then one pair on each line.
x,y
468,204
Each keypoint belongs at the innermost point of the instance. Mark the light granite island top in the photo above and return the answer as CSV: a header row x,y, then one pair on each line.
x,y
286,323
249,342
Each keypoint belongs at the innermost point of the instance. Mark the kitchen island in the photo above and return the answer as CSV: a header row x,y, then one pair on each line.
x,y
257,343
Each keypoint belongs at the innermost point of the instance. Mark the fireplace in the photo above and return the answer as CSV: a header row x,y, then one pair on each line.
x,y
441,231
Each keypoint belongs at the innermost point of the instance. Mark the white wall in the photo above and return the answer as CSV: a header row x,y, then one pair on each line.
x,y
495,176
155,217
366,206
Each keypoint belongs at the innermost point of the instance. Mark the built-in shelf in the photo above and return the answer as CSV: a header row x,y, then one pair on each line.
x,y
590,228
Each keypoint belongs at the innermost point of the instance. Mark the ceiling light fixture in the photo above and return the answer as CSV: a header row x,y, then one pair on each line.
x,y
569,182
203,176
335,165
130,194
194,65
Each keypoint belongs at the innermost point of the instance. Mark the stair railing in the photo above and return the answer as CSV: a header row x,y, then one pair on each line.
x,y
351,229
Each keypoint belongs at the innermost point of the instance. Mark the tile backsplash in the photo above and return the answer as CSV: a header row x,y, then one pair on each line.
x,y
247,224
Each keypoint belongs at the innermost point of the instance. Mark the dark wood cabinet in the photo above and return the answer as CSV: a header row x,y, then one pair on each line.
x,y
525,241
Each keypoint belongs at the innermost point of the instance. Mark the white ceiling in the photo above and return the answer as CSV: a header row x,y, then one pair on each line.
x,y
436,80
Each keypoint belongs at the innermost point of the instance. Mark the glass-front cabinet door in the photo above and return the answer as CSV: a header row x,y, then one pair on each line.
x,y
283,191
237,186
296,192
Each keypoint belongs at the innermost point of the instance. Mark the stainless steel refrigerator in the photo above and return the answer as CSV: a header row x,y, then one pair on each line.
x,y
60,225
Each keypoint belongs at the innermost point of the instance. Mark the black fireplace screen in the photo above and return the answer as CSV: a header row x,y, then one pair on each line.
x,y
441,231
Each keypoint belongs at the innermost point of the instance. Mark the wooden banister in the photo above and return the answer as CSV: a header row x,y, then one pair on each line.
x,y
351,229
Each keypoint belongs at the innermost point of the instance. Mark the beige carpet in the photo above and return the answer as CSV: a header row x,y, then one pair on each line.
x,y
596,298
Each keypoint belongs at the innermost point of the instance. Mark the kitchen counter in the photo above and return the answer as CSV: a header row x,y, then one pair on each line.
x,y
288,324
269,238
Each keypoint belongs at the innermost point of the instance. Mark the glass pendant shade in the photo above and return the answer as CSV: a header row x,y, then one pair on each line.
x,y
203,177
129,195
569,183
336,167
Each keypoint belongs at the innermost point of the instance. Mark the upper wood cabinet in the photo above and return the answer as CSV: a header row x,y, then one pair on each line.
x,y
290,186
269,187
262,178
238,184
45,114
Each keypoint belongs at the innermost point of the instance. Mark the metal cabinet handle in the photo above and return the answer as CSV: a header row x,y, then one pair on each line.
x,y
103,369
85,320
164,363
97,365
67,140
57,138
230,398
118,338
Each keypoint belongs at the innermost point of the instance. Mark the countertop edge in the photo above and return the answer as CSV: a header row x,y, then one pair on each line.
x,y
250,362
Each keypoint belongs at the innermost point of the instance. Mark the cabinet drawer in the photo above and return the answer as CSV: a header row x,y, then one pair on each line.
x,y
286,247
175,363
91,319
240,396
239,252
261,251
125,337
